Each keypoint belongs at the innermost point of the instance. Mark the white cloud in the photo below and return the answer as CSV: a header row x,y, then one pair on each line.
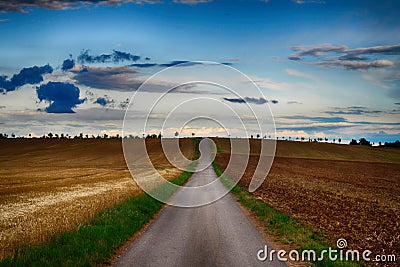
x,y
270,84
297,73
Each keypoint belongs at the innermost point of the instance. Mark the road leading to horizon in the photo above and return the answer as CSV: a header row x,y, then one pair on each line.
x,y
217,234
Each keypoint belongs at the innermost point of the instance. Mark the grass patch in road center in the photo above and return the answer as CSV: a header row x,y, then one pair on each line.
x,y
288,230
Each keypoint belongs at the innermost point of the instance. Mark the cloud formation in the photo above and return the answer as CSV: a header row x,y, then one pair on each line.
x,y
63,97
344,57
31,75
357,110
22,5
250,100
68,64
300,2
192,2
105,101
115,57
354,65
124,79
317,50
178,63
143,65
315,119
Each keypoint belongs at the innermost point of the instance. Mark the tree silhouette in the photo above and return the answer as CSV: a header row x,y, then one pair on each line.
x,y
353,142
364,142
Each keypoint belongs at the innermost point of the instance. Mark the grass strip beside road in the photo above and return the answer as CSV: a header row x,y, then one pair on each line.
x,y
95,242
286,229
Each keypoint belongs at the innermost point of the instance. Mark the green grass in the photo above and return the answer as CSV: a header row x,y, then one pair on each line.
x,y
286,229
95,242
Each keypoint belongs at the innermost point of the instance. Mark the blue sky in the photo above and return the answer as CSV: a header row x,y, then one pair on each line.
x,y
331,66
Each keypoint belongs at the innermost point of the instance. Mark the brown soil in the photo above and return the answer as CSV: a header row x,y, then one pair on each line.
x,y
358,201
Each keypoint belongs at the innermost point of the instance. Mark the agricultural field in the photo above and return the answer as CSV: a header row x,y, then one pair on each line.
x,y
350,192
48,186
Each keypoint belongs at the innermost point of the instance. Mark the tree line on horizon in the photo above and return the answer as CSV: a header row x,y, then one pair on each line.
x,y
50,135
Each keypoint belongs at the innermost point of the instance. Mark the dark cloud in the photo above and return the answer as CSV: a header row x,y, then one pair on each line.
x,y
144,65
124,104
122,79
119,56
314,128
251,100
300,2
376,123
397,103
105,101
353,110
115,57
31,75
179,62
235,100
68,64
192,2
63,97
382,49
101,100
354,65
317,50
351,59
316,119
273,101
127,79
22,5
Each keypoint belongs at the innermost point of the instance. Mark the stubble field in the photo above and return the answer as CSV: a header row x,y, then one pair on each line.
x,y
48,186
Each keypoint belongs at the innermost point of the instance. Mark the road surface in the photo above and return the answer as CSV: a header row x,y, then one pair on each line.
x,y
217,234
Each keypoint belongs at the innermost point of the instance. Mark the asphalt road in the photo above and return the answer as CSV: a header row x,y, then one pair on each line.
x,y
217,234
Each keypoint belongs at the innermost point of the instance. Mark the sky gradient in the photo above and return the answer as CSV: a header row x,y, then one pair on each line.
x,y
325,68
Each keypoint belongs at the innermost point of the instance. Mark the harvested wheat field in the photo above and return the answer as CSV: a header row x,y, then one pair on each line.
x,y
49,186
350,192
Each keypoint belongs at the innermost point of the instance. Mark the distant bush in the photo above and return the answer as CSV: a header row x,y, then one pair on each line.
x,y
392,144
362,141
353,142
